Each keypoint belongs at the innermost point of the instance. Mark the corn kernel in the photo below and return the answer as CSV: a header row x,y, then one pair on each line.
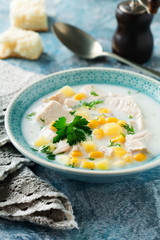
x,y
67,91
140,157
121,139
98,133
41,141
79,96
76,154
102,164
96,154
112,129
121,122
89,146
128,158
52,127
115,139
82,112
74,161
101,120
119,152
119,163
104,110
90,165
93,124
112,119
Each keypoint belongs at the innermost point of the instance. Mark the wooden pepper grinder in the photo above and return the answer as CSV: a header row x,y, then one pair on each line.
x,y
133,38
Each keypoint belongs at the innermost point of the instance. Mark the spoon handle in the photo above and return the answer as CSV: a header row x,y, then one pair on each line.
x,y
145,70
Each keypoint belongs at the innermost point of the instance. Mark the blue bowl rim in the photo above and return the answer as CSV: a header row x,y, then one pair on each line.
x,y
78,171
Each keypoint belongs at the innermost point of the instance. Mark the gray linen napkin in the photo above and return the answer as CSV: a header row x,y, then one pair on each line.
x,y
23,195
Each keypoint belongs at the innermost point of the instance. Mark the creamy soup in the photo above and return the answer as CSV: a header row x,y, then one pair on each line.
x,y
97,127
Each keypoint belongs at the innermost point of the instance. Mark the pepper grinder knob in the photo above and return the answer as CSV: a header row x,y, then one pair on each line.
x,y
133,38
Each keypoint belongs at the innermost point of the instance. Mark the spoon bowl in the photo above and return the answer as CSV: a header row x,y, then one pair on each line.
x,y
87,47
77,41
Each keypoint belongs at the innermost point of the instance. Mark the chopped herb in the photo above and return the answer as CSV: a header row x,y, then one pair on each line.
x,y
113,144
50,156
129,129
72,113
129,92
46,149
42,120
123,134
41,127
92,159
130,116
74,132
93,92
91,104
71,165
34,149
29,116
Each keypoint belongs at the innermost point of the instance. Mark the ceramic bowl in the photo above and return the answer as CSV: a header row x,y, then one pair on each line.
x,y
30,94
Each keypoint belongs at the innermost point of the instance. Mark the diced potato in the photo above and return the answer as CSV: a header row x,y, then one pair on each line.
x,y
119,151
67,91
90,165
119,163
102,164
64,159
112,129
41,141
140,157
82,112
52,146
89,146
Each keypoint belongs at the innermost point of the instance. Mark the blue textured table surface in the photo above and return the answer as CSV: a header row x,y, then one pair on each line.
x,y
120,211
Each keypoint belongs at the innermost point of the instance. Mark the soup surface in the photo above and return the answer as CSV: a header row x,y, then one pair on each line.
x,y
97,127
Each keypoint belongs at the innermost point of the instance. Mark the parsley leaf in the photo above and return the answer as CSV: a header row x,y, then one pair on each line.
x,y
123,134
129,129
91,104
92,159
130,116
113,144
34,149
46,149
93,92
129,92
29,116
72,113
74,132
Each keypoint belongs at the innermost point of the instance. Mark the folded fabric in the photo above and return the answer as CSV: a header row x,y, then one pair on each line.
x,y
26,197
23,195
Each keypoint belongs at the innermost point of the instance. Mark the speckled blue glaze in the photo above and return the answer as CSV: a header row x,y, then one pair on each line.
x,y
120,211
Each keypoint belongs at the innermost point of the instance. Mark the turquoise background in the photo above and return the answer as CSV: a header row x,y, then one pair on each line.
x,y
120,211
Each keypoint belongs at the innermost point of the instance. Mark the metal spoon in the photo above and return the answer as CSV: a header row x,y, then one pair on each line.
x,y
87,47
